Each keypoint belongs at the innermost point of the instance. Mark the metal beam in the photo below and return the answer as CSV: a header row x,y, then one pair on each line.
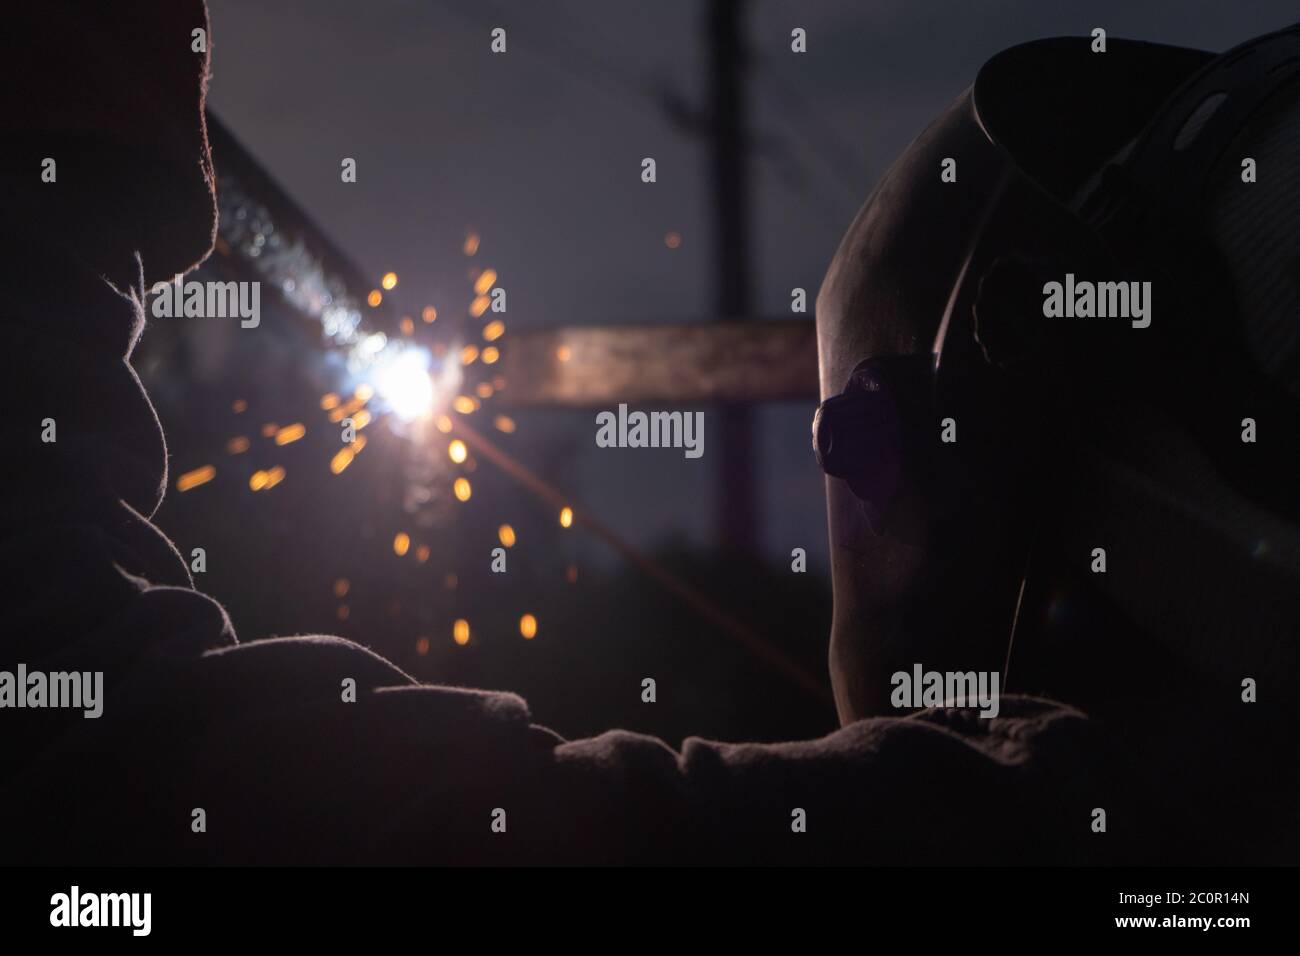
x,y
666,363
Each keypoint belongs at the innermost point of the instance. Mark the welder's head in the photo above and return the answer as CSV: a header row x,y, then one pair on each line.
x,y
1060,371
113,94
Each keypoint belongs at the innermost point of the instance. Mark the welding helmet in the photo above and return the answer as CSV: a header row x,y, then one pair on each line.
x,y
993,472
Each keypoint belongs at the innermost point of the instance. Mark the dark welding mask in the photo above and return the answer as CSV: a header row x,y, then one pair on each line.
x,y
971,413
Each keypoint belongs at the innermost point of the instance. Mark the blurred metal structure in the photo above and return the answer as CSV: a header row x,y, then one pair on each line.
x,y
670,362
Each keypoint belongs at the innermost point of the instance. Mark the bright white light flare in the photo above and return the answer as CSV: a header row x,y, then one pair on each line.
x,y
403,383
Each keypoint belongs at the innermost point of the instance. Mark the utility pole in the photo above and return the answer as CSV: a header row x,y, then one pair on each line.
x,y
736,499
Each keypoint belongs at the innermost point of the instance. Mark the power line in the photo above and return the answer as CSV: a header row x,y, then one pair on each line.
x,y
666,102
568,57
821,137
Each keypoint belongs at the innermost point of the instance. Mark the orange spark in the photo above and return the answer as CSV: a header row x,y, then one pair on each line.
x,y
290,433
192,479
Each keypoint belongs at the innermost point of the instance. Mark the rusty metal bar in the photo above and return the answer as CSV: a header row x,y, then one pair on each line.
x,y
679,362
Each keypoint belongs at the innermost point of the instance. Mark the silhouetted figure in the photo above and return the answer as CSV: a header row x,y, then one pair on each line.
x,y
260,735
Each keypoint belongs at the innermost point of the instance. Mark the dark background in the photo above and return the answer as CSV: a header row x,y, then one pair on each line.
x,y
538,152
